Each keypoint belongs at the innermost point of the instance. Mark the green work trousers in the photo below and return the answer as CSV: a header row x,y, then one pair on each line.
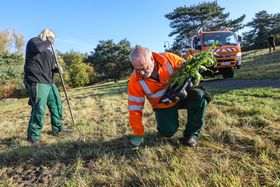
x,y
167,118
41,95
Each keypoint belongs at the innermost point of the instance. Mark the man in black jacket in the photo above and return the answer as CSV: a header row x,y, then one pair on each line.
x,y
271,42
39,70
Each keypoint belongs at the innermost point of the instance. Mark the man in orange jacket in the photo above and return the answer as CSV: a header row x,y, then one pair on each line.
x,y
150,78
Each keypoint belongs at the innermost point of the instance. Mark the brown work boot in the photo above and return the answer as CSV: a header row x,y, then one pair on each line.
x,y
191,142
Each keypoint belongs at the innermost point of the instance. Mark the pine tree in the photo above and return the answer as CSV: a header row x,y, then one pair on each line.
x,y
209,16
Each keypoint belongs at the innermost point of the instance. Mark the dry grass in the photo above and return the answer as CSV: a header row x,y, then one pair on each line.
x,y
240,144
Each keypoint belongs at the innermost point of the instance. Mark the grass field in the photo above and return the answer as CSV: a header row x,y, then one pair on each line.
x,y
240,144
259,64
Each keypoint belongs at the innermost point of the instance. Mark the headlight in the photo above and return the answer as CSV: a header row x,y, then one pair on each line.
x,y
238,56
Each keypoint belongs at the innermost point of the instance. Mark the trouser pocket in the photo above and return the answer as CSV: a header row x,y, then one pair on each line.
x,y
206,94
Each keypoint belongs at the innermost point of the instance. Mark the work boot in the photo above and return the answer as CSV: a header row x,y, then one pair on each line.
x,y
191,142
63,131
35,144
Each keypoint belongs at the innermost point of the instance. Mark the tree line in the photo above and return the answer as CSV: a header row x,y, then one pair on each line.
x,y
185,21
110,60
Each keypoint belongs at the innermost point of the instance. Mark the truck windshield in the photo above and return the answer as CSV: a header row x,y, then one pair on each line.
x,y
224,38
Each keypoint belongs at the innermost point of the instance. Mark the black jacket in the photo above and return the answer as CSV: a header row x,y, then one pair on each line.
x,y
271,40
39,62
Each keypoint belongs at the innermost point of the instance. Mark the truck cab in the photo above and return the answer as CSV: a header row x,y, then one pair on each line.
x,y
228,50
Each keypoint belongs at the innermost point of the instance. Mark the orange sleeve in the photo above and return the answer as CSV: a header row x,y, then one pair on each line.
x,y
135,121
174,60
136,102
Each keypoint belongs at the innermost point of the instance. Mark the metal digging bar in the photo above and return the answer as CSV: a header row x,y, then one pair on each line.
x,y
62,81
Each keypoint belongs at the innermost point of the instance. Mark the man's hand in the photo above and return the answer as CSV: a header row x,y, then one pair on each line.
x,y
136,141
51,39
60,69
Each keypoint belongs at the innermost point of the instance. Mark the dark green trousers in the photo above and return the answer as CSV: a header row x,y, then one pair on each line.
x,y
167,118
41,95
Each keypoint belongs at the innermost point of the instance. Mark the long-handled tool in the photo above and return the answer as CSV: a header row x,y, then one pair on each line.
x,y
63,85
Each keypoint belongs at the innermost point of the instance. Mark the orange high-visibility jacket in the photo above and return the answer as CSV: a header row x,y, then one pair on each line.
x,y
139,88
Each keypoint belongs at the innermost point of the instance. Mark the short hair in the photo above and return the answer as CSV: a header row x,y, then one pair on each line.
x,y
45,33
139,53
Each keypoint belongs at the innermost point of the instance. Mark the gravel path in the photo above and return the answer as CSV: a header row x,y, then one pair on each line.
x,y
231,83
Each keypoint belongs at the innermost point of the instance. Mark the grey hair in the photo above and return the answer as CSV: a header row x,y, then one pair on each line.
x,y
137,54
45,33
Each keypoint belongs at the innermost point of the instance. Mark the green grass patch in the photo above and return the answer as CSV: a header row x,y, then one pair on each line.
x,y
259,64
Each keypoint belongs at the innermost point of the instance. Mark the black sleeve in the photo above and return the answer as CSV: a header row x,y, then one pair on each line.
x,y
39,46
52,57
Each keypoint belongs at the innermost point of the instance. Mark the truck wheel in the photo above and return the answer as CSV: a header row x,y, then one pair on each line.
x,y
228,72
207,74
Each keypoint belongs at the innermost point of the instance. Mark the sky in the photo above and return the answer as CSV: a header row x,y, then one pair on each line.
x,y
81,24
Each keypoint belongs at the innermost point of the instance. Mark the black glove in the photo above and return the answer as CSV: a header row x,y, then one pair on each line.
x,y
184,91
51,39
58,69
181,95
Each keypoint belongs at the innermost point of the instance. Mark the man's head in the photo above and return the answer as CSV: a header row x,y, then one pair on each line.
x,y
47,33
143,61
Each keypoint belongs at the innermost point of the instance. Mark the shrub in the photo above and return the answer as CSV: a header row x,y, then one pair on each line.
x,y
11,74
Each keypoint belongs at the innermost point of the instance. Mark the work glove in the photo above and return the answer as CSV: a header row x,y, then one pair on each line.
x,y
51,39
184,91
181,95
136,141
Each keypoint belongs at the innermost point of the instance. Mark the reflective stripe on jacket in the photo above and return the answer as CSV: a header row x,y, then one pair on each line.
x,y
139,88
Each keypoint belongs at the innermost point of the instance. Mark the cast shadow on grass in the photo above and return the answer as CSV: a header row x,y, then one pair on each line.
x,y
113,91
68,152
